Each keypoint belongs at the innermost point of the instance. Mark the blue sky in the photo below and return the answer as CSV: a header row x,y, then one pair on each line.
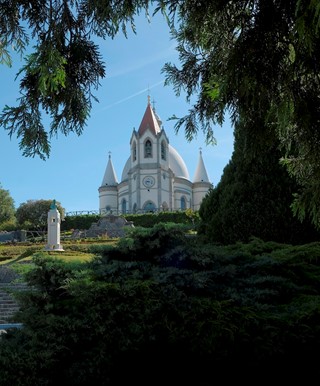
x,y
74,171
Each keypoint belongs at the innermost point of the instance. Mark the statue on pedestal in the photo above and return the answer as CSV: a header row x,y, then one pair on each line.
x,y
53,235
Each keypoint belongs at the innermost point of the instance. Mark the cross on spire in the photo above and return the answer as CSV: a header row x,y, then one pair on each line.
x,y
154,104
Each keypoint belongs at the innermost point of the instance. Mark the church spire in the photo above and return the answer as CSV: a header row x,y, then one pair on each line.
x,y
110,177
155,113
149,121
201,172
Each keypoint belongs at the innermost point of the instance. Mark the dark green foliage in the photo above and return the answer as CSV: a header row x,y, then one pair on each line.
x,y
254,197
59,76
148,220
7,210
161,308
33,214
142,244
255,61
79,222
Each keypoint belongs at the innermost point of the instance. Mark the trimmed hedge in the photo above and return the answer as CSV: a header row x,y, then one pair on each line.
x,y
79,222
146,220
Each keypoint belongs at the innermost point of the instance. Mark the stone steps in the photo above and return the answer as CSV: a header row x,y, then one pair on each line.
x,y
8,304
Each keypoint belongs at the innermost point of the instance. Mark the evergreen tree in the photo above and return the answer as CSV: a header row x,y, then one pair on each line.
x,y
257,61
253,59
65,66
253,198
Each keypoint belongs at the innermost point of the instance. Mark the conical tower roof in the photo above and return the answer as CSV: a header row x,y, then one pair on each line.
x,y
149,121
110,177
201,172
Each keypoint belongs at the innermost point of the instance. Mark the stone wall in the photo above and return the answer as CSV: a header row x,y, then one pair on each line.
x,y
6,237
109,226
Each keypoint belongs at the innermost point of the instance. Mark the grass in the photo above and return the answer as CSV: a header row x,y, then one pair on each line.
x,y
76,250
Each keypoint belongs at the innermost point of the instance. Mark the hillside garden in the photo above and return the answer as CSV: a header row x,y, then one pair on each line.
x,y
232,296
165,306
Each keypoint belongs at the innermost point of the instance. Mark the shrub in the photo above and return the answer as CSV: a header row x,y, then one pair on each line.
x,y
187,312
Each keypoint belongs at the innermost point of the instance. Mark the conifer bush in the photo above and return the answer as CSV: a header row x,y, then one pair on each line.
x,y
169,310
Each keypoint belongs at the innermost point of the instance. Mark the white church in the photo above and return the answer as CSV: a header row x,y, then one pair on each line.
x,y
155,177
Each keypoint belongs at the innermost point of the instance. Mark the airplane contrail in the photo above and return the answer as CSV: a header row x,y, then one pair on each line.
x,y
132,95
138,64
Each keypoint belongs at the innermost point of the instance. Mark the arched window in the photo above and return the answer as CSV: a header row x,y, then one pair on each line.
x,y
149,207
134,208
124,206
134,152
163,151
148,149
183,203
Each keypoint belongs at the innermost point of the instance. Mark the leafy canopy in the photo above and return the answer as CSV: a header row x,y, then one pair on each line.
x,y
7,209
253,59
59,76
34,213
257,61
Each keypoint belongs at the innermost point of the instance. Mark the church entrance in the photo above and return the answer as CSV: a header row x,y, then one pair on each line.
x,y
149,207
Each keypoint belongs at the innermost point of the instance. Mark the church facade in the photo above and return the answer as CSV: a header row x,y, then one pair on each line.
x,y
155,177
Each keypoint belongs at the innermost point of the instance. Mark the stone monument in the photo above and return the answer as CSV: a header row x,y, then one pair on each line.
x,y
107,226
53,234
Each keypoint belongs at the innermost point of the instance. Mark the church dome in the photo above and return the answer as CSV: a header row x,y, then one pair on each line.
x,y
176,164
154,176
126,169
